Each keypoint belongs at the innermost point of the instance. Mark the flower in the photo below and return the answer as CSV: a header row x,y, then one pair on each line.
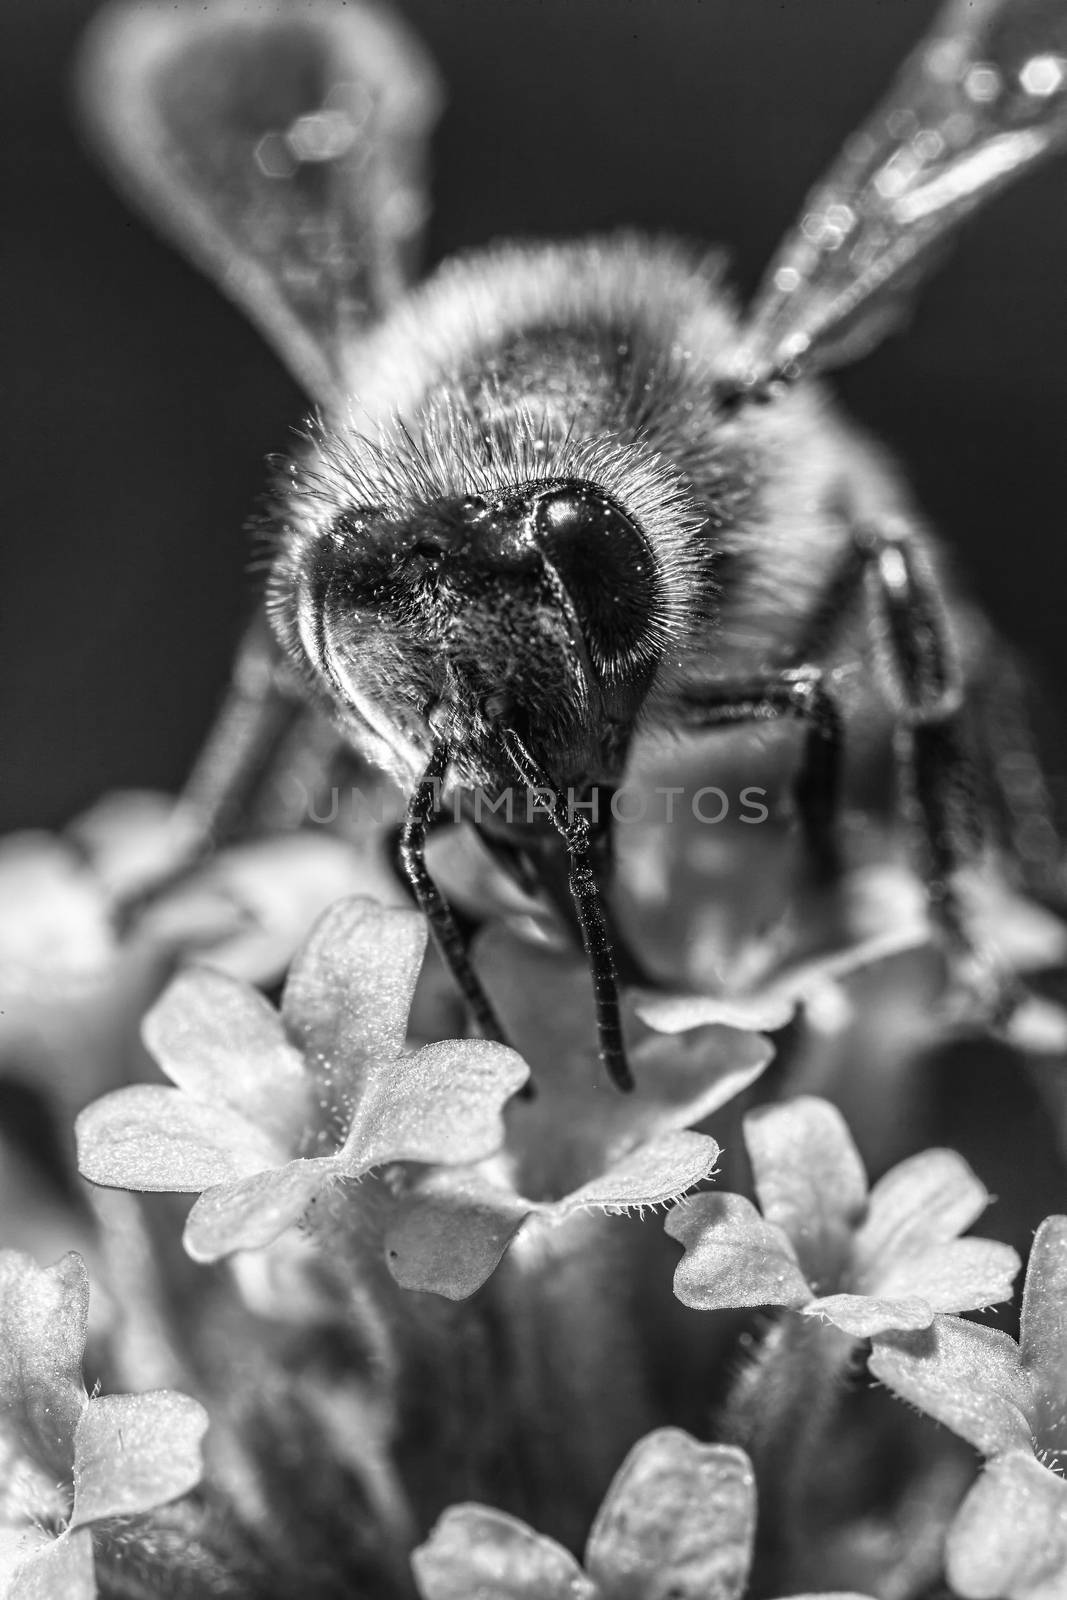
x,y
72,1462
874,914
678,1519
247,909
258,1091
1009,1539
877,912
94,920
823,1246
578,1145
67,990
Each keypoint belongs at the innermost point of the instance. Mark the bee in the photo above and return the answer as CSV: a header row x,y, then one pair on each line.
x,y
560,496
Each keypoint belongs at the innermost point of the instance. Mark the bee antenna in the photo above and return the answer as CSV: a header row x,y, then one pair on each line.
x,y
423,806
585,893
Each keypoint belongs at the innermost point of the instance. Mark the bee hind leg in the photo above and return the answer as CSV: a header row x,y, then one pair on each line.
x,y
943,794
1027,820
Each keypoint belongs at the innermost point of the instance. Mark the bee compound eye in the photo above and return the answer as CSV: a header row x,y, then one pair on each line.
x,y
576,507
607,567
584,517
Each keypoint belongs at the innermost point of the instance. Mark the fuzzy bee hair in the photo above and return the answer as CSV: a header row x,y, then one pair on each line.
x,y
528,366
596,361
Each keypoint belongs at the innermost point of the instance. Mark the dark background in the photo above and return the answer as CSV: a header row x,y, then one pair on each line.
x,y
139,406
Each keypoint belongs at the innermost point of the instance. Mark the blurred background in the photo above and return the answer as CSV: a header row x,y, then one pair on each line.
x,y
139,406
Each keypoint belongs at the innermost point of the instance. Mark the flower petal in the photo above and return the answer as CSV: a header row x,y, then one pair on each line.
x,y
134,1452
654,1174
473,880
863,1315
18,1547
43,1318
56,1568
732,1256
1026,936
475,1550
678,1520
224,1044
56,939
1009,1539
148,1137
1037,1027
810,1182
1043,1336
349,991
450,1232
679,1082
765,1012
963,1375
964,1275
135,839
267,893
443,1103
775,1000
251,1213
693,1074
929,1199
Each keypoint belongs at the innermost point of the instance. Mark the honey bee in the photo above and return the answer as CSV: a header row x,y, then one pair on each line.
x,y
560,495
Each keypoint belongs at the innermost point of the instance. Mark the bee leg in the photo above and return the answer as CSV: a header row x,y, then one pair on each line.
x,y
431,902
585,894
259,715
1026,823
573,827
917,663
801,694
259,711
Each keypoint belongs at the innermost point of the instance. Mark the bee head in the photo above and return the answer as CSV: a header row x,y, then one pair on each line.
x,y
534,609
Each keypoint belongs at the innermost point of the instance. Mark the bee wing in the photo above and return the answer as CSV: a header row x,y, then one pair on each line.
x,y
280,147
982,99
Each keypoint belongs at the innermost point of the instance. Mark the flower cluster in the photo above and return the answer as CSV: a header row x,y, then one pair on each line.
x,y
440,1317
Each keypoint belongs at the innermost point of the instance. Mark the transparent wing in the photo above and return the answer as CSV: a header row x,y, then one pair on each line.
x,y
280,146
980,101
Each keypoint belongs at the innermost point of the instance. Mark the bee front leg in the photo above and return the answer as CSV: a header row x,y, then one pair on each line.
x,y
444,929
